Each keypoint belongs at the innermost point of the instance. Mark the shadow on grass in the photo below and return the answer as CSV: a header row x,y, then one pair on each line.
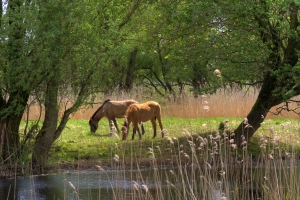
x,y
100,135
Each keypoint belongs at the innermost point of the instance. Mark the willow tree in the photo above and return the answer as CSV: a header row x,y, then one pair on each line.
x,y
81,56
34,50
15,75
54,52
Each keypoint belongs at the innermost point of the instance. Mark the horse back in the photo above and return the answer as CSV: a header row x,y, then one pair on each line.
x,y
143,112
117,109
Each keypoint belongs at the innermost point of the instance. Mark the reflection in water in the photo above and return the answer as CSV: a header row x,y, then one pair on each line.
x,y
121,184
82,185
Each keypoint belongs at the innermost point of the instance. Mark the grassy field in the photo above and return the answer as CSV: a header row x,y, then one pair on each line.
x,y
197,116
77,143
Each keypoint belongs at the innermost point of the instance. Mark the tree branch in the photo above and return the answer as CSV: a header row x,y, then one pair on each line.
x,y
286,107
128,16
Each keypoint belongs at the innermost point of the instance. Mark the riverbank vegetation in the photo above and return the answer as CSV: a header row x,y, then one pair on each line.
x,y
198,158
201,115
194,161
197,116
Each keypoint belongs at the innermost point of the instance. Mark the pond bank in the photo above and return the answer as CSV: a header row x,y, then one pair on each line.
x,y
14,170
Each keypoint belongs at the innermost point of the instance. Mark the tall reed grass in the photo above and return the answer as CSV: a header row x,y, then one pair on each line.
x,y
224,103
211,167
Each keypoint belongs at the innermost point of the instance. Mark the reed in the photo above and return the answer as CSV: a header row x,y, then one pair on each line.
x,y
224,103
212,167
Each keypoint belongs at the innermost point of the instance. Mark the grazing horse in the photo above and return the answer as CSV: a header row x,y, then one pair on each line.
x,y
111,110
141,113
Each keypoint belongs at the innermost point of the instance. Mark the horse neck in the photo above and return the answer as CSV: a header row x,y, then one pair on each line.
x,y
98,115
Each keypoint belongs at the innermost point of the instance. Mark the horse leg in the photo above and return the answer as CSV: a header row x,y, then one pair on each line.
x,y
116,125
110,127
160,125
153,126
136,128
133,131
142,127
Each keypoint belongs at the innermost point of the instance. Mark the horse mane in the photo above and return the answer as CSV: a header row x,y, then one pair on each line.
x,y
107,100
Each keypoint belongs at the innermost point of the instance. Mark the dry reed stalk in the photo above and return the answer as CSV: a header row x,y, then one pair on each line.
x,y
222,103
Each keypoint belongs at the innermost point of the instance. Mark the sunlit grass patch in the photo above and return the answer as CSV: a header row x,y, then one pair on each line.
x,y
78,142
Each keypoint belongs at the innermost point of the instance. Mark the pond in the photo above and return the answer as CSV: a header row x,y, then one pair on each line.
x,y
164,183
79,185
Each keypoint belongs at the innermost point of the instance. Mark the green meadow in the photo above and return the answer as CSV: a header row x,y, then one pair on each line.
x,y
78,144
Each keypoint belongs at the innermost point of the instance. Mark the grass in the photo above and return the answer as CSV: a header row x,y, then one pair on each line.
x,y
77,142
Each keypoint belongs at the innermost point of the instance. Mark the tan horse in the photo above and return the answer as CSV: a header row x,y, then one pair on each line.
x,y
141,113
111,110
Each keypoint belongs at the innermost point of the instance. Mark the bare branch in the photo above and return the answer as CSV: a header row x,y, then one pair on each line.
x,y
287,107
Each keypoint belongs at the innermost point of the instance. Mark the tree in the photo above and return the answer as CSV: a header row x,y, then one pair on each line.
x,y
56,52
279,28
251,42
14,65
85,68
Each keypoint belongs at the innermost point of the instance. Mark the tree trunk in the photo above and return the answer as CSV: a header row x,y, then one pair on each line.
x,y
130,70
10,146
2,137
265,101
45,137
199,79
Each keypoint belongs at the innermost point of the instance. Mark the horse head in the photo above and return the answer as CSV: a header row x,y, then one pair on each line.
x,y
93,125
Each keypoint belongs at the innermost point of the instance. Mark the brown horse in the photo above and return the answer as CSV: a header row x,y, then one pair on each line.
x,y
141,113
111,110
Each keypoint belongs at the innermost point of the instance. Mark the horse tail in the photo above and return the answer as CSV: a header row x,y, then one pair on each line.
x,y
107,100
